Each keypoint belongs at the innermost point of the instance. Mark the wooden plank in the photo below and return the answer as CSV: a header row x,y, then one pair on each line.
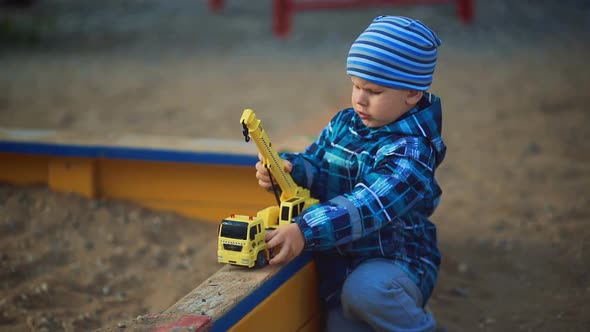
x,y
179,143
274,298
289,308
23,169
207,192
74,175
222,291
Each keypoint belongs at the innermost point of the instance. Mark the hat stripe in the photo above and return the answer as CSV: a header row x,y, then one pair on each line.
x,y
390,73
359,57
424,33
407,37
381,52
411,24
400,54
385,42
384,81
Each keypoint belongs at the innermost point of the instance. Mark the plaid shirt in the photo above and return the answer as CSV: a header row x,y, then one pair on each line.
x,y
377,189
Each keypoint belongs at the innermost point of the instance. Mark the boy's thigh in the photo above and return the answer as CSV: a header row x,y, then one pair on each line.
x,y
382,294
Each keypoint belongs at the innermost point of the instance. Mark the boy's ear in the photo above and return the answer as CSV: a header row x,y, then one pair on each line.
x,y
413,97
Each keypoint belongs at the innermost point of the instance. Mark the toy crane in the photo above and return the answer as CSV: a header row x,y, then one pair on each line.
x,y
294,199
241,238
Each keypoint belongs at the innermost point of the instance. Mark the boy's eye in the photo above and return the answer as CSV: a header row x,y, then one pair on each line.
x,y
369,91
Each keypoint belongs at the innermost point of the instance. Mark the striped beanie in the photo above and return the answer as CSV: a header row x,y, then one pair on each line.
x,y
395,52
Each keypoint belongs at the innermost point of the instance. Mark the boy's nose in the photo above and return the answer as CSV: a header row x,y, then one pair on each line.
x,y
361,98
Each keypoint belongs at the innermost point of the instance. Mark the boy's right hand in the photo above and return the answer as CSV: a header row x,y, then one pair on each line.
x,y
262,173
287,241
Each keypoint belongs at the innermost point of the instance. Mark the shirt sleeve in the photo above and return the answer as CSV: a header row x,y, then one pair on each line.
x,y
398,183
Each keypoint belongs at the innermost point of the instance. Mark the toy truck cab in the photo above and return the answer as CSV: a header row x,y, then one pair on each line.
x,y
290,209
241,241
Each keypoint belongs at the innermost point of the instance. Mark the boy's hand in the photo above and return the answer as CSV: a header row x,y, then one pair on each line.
x,y
262,173
288,240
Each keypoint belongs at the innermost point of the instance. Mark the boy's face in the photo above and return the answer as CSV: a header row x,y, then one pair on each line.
x,y
377,105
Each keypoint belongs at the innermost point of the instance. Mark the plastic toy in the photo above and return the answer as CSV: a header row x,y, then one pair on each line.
x,y
241,238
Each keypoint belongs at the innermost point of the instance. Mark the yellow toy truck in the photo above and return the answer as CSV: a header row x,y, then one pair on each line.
x,y
241,238
241,241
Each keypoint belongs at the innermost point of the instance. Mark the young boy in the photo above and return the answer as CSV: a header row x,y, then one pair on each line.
x,y
372,168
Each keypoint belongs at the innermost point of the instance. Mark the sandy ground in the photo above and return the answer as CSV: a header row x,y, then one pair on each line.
x,y
71,264
515,87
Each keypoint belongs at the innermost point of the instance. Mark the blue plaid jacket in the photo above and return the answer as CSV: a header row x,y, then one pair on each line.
x,y
378,190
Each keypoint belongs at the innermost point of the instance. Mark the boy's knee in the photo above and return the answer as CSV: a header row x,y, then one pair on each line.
x,y
385,307
360,297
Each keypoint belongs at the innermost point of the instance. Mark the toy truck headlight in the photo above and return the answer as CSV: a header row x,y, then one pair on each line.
x,y
245,261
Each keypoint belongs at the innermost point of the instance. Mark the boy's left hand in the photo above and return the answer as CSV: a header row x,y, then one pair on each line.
x,y
288,240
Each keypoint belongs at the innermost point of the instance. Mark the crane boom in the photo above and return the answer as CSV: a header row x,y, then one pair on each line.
x,y
270,157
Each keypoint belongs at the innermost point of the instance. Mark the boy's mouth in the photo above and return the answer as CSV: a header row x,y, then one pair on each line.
x,y
363,116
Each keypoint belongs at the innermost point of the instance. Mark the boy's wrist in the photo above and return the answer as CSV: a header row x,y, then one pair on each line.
x,y
306,231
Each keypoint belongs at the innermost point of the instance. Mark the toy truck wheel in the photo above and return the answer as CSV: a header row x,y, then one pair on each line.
x,y
261,259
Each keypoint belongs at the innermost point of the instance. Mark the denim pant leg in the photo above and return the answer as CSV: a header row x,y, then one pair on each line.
x,y
337,322
380,296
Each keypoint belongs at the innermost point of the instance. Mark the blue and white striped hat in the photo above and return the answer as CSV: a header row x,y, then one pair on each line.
x,y
396,52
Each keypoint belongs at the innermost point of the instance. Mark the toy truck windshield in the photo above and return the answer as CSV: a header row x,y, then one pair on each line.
x,y
234,229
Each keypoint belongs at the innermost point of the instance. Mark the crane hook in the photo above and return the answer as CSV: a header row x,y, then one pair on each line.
x,y
245,131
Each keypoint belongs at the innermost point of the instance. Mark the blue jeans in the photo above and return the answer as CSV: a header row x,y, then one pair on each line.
x,y
379,296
